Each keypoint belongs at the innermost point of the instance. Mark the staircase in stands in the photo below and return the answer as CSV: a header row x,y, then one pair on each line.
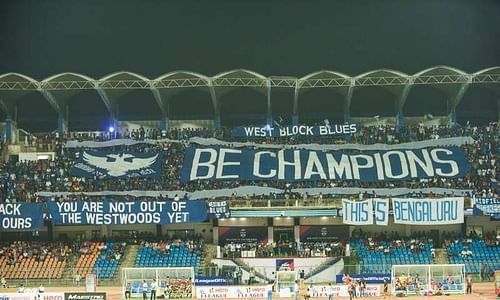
x,y
441,257
209,253
69,271
127,261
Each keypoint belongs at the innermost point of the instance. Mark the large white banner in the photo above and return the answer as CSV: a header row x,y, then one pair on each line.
x,y
357,212
322,291
381,209
365,212
452,141
440,211
428,211
243,292
261,190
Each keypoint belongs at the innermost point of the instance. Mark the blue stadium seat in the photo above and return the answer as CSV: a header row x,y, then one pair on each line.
x,y
379,262
177,257
481,254
104,267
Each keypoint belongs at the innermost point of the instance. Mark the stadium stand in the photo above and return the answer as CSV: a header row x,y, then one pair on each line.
x,y
33,260
102,259
285,249
170,254
475,254
378,257
21,180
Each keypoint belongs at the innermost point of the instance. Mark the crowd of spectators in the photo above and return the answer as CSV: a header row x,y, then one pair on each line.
x,y
163,247
21,180
491,239
386,242
15,251
366,135
283,248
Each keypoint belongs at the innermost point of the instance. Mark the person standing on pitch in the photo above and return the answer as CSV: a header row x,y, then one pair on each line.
x,y
144,290
386,288
469,284
296,289
329,291
153,290
362,287
128,289
302,276
351,289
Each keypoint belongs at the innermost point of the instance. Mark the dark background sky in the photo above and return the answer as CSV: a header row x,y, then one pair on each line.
x,y
96,37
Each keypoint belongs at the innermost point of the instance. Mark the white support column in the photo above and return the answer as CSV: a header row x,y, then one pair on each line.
x,y
270,234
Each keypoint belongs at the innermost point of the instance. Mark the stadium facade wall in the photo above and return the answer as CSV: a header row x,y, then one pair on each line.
x,y
484,222
268,265
320,221
243,222
88,232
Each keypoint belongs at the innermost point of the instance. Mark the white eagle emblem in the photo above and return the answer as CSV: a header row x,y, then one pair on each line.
x,y
119,166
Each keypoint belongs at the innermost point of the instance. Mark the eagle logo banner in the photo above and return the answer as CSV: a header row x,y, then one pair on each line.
x,y
106,165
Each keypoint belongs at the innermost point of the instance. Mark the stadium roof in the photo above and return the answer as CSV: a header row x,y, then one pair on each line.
x,y
60,88
246,78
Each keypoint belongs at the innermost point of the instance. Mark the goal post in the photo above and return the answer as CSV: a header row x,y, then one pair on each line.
x,y
428,279
286,280
173,283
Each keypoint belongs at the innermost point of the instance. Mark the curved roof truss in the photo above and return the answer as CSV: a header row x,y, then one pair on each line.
x,y
442,77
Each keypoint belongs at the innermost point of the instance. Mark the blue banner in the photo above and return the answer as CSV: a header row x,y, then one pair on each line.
x,y
218,163
489,206
106,165
268,131
128,212
369,277
18,216
218,209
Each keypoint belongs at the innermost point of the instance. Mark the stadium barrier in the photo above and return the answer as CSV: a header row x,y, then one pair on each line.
x,y
225,275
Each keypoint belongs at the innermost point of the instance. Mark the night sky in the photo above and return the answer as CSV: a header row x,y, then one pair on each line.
x,y
97,37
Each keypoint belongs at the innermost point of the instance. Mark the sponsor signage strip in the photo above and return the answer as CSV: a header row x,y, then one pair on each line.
x,y
240,292
84,296
341,291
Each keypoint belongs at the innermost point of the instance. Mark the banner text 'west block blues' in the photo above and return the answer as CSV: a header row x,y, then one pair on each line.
x,y
16,216
107,165
268,131
128,212
219,163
